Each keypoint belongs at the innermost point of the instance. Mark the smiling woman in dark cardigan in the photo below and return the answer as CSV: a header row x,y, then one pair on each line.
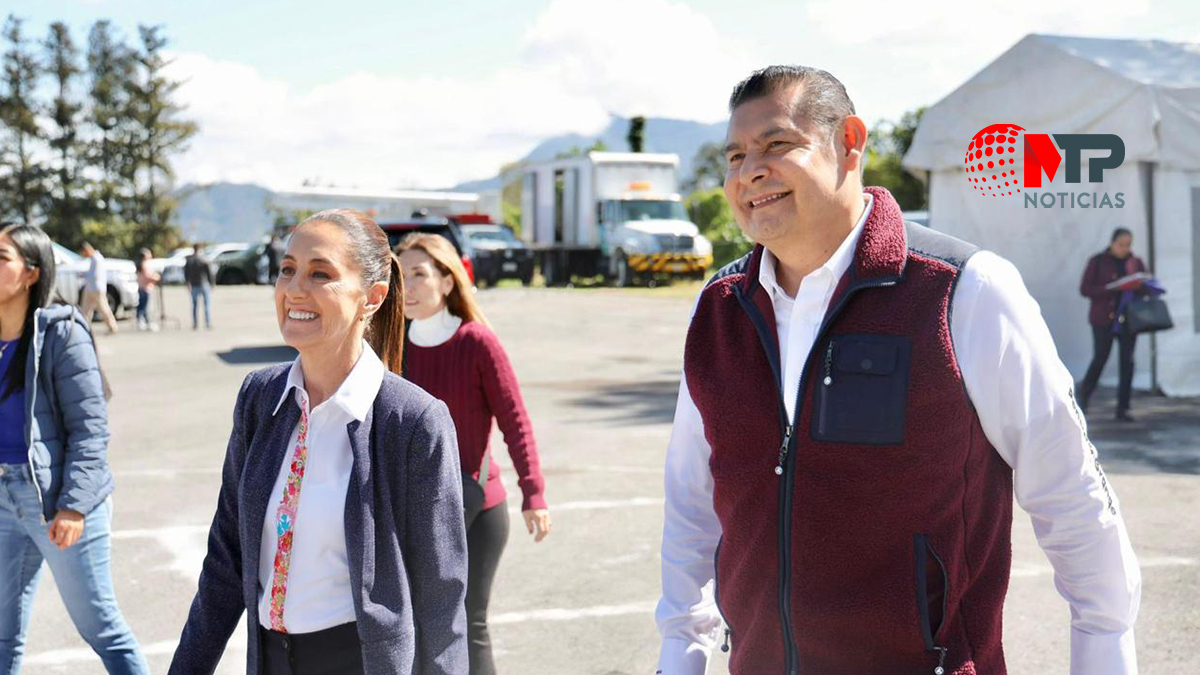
x,y
339,525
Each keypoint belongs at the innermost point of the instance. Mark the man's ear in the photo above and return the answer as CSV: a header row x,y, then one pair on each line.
x,y
853,143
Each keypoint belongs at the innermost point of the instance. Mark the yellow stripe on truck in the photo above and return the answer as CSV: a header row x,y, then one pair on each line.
x,y
677,263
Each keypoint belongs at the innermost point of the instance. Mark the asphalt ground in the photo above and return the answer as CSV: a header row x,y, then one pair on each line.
x,y
599,370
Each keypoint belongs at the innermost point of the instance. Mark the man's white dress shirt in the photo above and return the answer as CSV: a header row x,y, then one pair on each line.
x,y
318,582
1023,395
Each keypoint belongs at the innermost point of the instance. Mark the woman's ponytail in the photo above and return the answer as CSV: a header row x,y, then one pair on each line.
x,y
386,334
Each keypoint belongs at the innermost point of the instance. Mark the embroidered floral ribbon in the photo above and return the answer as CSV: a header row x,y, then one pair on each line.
x,y
285,521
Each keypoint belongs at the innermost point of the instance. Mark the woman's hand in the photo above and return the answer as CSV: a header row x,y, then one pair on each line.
x,y
66,528
539,520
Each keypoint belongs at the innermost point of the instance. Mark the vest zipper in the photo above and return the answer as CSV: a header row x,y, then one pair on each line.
x,y
829,364
784,467
783,449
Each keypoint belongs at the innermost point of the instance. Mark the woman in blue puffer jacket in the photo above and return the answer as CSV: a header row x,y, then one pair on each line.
x,y
54,477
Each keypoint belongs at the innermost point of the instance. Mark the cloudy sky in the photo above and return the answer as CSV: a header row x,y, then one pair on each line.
x,y
401,93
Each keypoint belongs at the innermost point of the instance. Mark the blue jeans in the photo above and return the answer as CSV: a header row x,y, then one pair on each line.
x,y
143,313
81,572
202,291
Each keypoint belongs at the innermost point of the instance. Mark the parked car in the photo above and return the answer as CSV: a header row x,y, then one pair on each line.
x,y
498,254
171,267
67,284
433,225
247,266
122,278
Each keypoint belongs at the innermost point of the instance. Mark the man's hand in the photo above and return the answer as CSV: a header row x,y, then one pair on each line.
x,y
66,528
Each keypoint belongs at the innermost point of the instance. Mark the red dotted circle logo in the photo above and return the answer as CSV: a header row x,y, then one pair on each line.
x,y
993,161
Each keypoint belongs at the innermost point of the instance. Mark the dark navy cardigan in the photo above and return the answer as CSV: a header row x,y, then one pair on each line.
x,y
404,532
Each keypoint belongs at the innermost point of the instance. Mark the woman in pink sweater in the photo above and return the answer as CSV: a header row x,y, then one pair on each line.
x,y
453,354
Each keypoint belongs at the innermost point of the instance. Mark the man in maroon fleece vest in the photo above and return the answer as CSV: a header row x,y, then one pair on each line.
x,y
861,400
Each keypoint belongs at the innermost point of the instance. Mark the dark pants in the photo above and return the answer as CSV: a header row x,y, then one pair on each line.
x,y
486,537
333,651
1102,339
143,308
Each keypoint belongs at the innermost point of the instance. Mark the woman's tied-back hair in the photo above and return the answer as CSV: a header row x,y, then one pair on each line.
x,y
1120,232
824,102
34,246
369,252
461,301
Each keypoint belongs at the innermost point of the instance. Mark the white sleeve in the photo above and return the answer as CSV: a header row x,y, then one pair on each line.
x,y
687,614
1024,397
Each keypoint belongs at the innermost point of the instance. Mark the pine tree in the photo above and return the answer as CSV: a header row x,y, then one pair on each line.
x,y
22,176
637,133
66,201
109,67
155,133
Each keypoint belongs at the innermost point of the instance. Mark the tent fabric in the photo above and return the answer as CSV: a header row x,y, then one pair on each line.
x,y
1148,93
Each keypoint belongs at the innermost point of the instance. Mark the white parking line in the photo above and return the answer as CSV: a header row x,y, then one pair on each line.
x,y
646,608
59,657
62,657
599,505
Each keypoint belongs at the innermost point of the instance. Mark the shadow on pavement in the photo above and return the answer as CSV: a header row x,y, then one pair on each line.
x,y
1165,438
258,355
628,401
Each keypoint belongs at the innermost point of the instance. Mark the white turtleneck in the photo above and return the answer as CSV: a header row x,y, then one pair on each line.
x,y
434,330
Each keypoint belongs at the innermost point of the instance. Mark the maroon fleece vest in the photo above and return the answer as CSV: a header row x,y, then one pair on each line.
x,y
871,534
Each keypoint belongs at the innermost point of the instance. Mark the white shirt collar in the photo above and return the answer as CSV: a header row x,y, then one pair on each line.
x,y
434,330
837,264
357,392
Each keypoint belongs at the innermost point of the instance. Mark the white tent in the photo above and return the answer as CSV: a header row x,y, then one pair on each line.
x,y
1148,93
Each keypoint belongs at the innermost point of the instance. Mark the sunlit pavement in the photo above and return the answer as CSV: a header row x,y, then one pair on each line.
x,y
599,370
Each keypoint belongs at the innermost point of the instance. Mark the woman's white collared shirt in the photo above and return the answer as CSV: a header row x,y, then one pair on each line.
x,y
318,585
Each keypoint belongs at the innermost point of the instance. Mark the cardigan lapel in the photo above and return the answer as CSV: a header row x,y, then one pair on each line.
x,y
359,519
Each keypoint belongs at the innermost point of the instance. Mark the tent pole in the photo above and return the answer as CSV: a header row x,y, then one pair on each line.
x,y
1149,192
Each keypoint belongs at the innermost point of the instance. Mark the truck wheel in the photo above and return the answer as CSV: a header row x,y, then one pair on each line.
x,y
527,277
624,276
550,270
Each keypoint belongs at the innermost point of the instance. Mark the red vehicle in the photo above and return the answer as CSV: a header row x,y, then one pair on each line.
x,y
432,225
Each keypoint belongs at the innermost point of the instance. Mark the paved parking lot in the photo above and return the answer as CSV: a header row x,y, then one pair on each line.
x,y
599,370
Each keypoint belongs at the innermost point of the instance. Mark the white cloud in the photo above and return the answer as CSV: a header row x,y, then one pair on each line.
x,y
580,61
919,52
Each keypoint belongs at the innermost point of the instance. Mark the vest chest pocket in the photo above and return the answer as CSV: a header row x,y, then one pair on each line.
x,y
862,390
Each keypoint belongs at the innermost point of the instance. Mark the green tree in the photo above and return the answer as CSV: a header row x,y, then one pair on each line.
x,y
708,168
22,175
710,211
155,133
637,133
67,201
109,66
886,145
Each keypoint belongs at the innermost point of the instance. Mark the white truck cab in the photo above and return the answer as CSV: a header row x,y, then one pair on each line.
x,y
612,213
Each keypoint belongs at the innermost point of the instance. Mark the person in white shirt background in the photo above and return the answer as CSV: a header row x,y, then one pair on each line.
x,y
95,289
767,537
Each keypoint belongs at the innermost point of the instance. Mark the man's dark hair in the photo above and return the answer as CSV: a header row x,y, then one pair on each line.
x,y
1120,232
825,102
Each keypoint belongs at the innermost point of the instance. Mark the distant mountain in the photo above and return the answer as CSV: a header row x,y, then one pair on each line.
x,y
681,137
223,212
